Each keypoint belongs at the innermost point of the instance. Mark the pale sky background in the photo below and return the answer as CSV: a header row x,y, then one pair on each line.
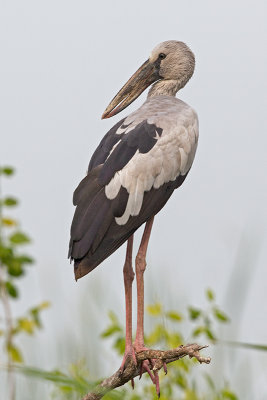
x,y
61,64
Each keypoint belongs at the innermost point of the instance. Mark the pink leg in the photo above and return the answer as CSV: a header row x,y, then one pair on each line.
x,y
128,280
140,266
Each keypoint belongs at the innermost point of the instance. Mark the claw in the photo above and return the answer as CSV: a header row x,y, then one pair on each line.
x,y
129,354
165,368
132,383
141,371
145,367
157,383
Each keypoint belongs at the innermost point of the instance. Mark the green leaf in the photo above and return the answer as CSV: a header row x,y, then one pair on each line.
x,y
9,222
174,339
154,309
19,238
14,268
14,353
181,381
135,397
10,202
44,305
210,295
119,345
113,317
24,259
80,385
198,331
253,346
7,170
35,315
35,311
157,335
110,331
220,315
204,330
185,364
65,389
227,394
11,289
210,335
194,313
174,316
5,253
26,325
190,395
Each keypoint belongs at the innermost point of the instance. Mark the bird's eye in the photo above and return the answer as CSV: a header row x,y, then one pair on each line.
x,y
162,56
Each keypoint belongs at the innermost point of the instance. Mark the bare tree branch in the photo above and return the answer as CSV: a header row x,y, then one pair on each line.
x,y
159,357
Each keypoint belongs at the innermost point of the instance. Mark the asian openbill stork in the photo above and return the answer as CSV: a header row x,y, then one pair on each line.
x,y
133,173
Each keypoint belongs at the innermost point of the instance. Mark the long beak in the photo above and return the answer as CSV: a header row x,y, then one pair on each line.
x,y
142,78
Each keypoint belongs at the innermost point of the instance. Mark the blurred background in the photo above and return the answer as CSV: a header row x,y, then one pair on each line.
x,y
61,64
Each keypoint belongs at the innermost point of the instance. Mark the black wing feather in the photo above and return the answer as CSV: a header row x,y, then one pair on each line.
x,y
94,231
116,234
91,224
141,138
105,146
87,188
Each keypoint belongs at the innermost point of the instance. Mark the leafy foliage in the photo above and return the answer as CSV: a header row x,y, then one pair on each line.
x,y
13,265
181,382
206,319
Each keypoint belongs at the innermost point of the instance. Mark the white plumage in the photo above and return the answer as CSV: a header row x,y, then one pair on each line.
x,y
172,155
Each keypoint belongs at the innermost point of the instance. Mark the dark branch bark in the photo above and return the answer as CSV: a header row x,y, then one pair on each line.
x,y
131,370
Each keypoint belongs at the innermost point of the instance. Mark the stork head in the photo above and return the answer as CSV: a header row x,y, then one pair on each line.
x,y
170,62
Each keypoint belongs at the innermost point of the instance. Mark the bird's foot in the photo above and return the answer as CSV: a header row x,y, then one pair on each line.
x,y
147,366
129,354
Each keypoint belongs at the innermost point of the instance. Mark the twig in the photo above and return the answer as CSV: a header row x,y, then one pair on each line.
x,y
131,370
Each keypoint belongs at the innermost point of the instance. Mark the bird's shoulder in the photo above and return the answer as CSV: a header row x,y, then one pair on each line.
x,y
120,144
164,111
158,117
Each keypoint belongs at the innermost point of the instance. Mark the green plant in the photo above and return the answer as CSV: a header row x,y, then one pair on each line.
x,y
13,263
181,382
185,379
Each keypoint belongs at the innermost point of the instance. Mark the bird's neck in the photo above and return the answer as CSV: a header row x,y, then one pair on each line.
x,y
165,88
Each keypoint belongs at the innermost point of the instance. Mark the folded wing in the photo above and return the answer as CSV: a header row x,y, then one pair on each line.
x,y
131,175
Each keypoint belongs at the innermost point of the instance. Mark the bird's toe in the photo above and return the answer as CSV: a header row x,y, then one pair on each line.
x,y
129,356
